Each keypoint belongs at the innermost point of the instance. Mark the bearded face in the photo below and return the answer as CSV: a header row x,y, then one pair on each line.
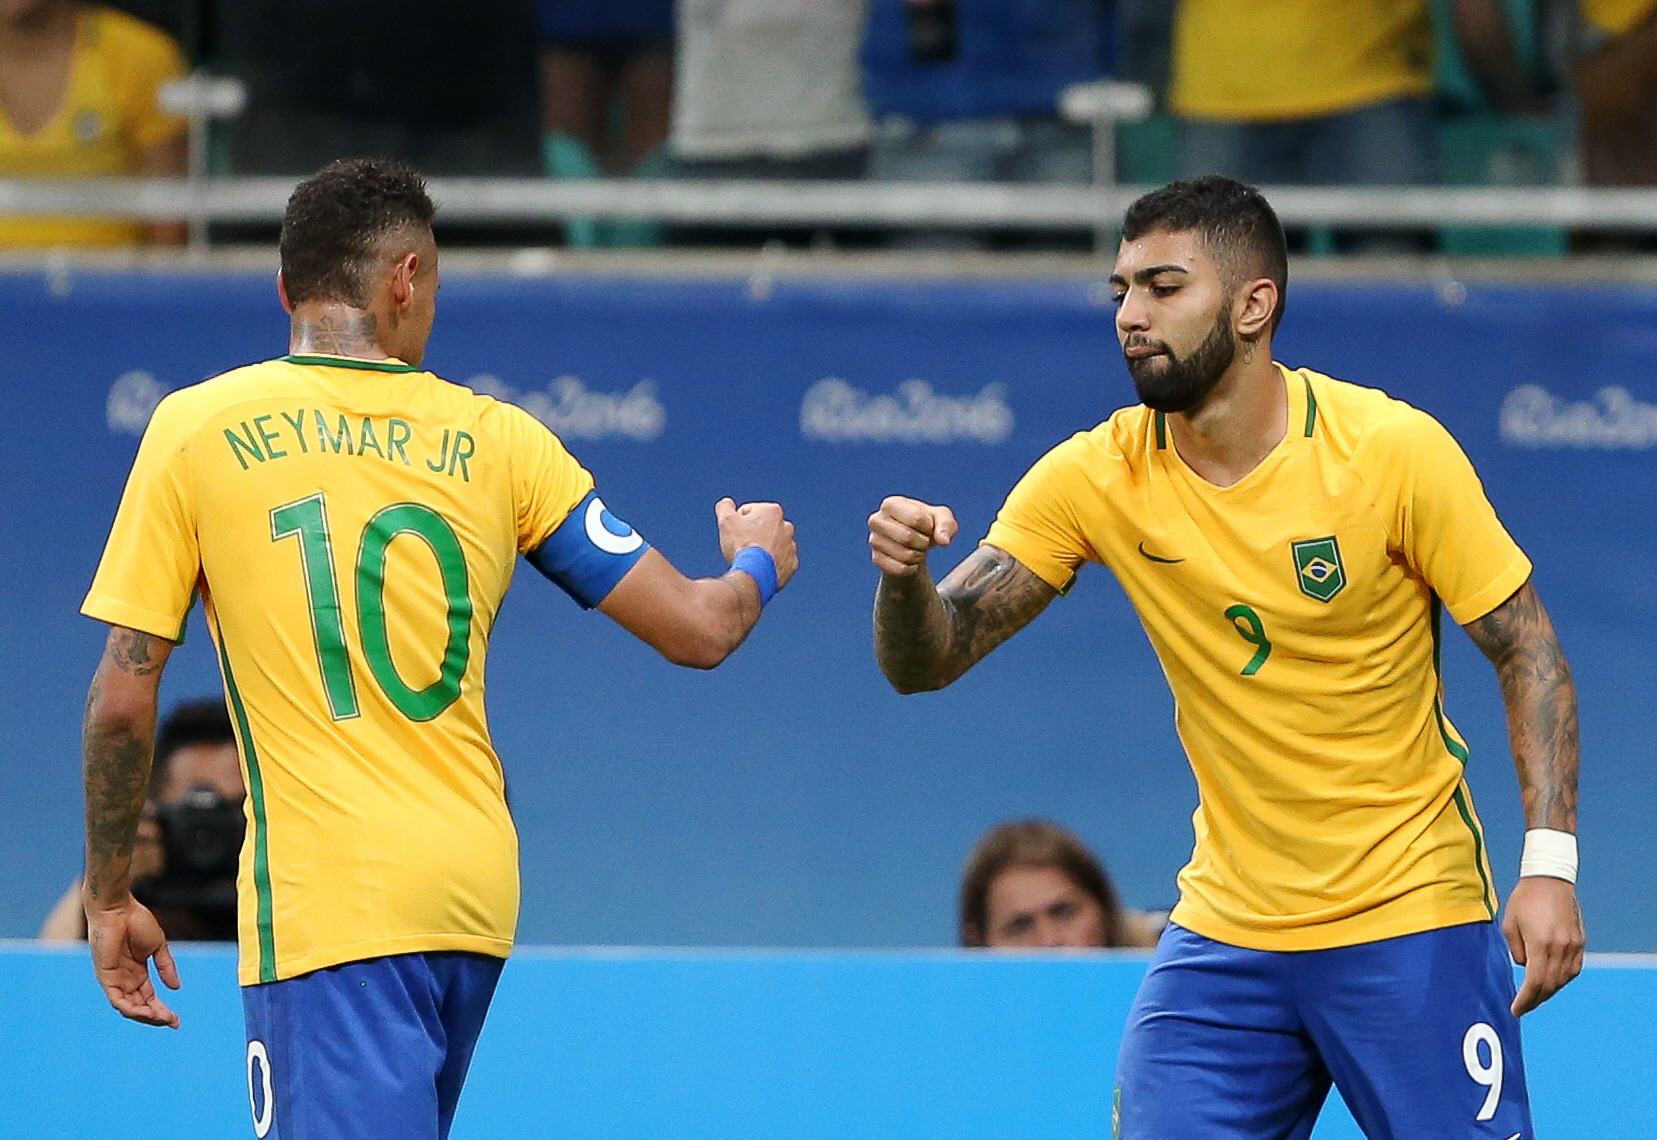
x,y
1169,382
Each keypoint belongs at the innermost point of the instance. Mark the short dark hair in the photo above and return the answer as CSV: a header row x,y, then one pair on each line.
x,y
335,221
1033,843
1235,221
201,721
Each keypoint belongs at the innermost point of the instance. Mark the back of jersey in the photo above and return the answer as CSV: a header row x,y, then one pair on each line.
x,y
352,527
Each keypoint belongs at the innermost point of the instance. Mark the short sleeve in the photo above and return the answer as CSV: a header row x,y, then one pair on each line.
x,y
1442,521
1038,525
148,60
547,482
147,577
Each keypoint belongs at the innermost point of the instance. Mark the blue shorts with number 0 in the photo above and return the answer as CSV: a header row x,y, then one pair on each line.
x,y
1416,1032
371,1050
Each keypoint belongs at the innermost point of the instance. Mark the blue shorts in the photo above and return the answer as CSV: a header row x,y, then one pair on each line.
x,y
1416,1033
367,1050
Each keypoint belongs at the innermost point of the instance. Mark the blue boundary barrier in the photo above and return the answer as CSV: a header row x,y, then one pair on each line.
x,y
749,1045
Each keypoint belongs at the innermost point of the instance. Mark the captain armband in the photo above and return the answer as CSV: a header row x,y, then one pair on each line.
x,y
589,553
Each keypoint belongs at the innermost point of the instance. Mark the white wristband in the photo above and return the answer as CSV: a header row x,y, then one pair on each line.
x,y
1548,852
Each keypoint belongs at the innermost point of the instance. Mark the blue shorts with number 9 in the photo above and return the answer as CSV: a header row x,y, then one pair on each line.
x,y
1416,1032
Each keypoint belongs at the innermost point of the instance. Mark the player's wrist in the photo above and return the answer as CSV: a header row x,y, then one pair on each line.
x,y
759,564
1549,852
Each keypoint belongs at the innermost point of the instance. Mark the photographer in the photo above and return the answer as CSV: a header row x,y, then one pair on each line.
x,y
184,860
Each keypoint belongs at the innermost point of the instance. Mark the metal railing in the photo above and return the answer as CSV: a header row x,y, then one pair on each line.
x,y
871,204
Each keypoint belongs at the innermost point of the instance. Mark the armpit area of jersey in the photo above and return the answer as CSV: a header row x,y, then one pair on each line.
x,y
589,553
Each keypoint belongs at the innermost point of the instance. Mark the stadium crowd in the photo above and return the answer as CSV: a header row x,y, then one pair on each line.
x,y
1303,91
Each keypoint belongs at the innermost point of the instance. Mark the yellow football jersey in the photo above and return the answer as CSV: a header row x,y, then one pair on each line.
x,y
1292,59
1296,615
351,527
108,115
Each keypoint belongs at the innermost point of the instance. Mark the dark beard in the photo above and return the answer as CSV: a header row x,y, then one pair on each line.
x,y
1167,383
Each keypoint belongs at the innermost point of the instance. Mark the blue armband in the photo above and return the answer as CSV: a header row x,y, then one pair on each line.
x,y
589,553
757,563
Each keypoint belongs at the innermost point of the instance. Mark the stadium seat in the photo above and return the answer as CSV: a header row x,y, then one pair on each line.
x,y
1495,150
566,156
1147,152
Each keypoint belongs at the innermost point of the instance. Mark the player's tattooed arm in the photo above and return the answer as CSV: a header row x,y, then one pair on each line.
x,y
1541,705
117,739
1543,923
927,635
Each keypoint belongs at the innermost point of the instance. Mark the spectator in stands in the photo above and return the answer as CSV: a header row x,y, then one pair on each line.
x,y
78,99
1327,92
606,98
768,89
969,91
184,861
606,83
1616,83
1032,884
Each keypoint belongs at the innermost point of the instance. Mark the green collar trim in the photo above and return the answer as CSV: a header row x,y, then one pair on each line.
x,y
350,362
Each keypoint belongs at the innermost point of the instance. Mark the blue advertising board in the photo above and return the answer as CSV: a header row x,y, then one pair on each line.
x,y
790,798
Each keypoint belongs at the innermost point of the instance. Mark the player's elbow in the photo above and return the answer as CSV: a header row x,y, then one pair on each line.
x,y
709,630
118,706
909,688
697,649
907,683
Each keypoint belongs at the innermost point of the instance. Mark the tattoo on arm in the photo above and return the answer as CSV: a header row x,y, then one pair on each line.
x,y
117,752
133,652
117,775
1541,705
926,636
344,334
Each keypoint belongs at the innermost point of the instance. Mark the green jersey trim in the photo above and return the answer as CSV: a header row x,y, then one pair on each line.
x,y
1459,751
1311,409
350,362
261,847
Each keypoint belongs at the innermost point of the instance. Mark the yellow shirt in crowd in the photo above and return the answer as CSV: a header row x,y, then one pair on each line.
x,y
1294,59
1614,17
108,117
351,528
1297,617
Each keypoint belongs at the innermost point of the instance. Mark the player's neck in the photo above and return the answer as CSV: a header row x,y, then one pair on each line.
x,y
331,328
1238,424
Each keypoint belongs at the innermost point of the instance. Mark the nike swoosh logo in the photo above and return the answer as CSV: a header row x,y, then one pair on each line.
x,y
1515,1136
1154,558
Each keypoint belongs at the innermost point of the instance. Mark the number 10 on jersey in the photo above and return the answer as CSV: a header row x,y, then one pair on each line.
x,y
307,520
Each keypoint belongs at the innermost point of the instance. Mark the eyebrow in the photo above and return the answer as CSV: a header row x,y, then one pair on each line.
x,y
1148,273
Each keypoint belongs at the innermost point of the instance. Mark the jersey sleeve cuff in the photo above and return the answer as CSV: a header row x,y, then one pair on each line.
x,y
102,607
1056,574
1501,588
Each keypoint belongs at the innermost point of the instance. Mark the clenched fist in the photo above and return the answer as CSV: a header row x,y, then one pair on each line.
x,y
758,524
903,530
